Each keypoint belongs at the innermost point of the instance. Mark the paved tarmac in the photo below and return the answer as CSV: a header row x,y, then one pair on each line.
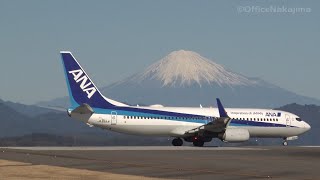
x,y
180,162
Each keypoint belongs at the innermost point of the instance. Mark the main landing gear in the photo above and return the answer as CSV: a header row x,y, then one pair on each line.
x,y
198,143
196,140
177,142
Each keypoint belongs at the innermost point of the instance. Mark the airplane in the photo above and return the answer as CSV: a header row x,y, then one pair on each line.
x,y
197,125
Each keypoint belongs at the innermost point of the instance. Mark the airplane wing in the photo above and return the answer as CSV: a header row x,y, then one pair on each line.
x,y
219,124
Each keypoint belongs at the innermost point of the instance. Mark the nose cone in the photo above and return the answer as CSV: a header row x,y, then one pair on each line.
x,y
307,126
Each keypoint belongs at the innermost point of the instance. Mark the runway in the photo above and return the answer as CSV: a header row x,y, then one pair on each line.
x,y
179,162
137,148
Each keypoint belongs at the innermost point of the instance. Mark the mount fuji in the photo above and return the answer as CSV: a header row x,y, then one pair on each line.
x,y
185,68
185,78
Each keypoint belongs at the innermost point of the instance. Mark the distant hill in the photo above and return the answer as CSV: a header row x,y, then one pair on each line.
x,y
28,110
87,139
23,121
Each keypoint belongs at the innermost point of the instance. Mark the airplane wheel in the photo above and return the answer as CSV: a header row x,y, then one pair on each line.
x,y
198,143
177,142
285,143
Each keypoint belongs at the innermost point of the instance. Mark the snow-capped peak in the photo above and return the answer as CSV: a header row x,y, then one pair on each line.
x,y
187,67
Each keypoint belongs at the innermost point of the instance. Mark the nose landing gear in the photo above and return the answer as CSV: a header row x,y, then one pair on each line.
x,y
177,142
286,139
285,143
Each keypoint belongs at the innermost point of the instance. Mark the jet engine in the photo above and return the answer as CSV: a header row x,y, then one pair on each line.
x,y
235,135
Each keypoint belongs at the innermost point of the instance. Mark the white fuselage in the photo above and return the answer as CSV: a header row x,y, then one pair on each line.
x,y
259,122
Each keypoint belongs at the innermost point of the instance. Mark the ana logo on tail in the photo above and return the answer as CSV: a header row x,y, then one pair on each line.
x,y
78,76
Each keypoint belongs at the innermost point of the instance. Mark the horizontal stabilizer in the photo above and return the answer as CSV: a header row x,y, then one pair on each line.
x,y
83,109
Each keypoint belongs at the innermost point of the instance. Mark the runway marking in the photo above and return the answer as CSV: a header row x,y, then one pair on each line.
x,y
139,148
310,146
244,158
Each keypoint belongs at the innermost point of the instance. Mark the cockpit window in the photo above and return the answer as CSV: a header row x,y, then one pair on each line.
x,y
298,119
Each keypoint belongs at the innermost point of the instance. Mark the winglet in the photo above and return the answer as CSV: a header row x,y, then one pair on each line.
x,y
222,111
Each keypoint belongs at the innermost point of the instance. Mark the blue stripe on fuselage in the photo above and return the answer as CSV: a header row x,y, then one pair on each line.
x,y
235,122
129,111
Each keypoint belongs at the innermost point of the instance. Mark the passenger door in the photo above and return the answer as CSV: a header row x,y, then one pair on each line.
x,y
113,117
288,121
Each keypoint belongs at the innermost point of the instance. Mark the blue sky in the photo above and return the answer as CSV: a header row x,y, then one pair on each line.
x,y
115,39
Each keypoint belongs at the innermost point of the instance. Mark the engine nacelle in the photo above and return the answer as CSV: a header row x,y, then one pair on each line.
x,y
235,135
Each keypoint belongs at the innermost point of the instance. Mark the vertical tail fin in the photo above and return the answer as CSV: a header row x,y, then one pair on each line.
x,y
81,87
221,109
